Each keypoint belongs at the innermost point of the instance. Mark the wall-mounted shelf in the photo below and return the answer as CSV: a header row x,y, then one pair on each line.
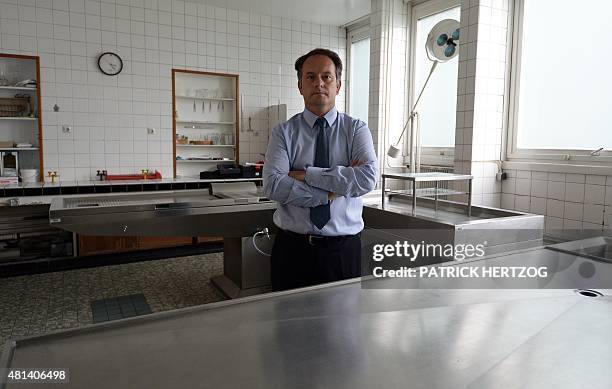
x,y
203,160
20,88
180,145
17,118
203,122
206,98
200,114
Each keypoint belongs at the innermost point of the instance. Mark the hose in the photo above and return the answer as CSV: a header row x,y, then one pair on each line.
x,y
262,232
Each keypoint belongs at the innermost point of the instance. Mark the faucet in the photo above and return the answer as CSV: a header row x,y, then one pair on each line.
x,y
102,174
53,175
145,173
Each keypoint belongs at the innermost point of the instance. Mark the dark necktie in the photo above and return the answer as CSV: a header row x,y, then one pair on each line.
x,y
320,215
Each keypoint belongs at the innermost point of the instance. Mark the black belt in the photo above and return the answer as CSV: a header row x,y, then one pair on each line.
x,y
314,239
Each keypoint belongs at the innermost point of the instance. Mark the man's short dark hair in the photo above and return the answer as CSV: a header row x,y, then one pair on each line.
x,y
328,53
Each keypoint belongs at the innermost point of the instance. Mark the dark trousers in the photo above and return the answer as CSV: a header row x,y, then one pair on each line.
x,y
298,260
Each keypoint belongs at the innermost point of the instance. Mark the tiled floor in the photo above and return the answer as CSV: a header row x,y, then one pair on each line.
x,y
119,307
41,303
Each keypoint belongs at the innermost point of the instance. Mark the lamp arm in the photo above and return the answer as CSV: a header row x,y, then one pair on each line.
x,y
433,67
402,134
412,112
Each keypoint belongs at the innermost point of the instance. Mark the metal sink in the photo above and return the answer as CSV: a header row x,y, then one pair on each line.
x,y
599,248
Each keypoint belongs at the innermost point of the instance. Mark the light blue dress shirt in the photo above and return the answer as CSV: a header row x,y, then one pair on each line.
x,y
292,146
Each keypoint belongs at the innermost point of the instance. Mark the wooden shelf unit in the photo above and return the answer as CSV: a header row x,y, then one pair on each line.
x,y
29,69
205,106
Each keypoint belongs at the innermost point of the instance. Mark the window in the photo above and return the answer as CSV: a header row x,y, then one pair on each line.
x,y
437,108
560,95
358,37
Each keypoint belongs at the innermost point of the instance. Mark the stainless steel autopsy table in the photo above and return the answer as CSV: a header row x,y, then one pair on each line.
x,y
228,210
234,211
344,335
237,211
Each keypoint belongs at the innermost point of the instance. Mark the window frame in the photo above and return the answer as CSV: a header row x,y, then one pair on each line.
x,y
429,155
512,153
355,32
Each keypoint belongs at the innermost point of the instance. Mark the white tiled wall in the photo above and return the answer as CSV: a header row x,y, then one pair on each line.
x,y
569,201
388,45
109,115
480,95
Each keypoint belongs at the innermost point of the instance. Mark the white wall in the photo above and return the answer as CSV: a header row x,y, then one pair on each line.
x,y
109,115
569,201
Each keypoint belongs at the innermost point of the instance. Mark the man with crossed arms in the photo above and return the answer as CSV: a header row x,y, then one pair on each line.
x,y
317,166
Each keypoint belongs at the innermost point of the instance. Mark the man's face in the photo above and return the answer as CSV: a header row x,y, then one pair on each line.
x,y
318,84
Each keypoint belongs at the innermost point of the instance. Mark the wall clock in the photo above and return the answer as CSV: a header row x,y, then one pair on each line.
x,y
110,63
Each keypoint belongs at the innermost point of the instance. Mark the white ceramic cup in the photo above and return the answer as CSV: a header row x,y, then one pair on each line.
x,y
28,175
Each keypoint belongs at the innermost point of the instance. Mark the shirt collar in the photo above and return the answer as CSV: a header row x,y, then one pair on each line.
x,y
311,118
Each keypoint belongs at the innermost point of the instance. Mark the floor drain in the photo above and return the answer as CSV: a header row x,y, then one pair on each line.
x,y
120,307
588,293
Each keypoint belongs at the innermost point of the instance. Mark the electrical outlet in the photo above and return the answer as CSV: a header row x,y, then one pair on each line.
x,y
151,130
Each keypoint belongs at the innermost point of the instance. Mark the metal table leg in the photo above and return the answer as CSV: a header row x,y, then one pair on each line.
x,y
436,196
469,207
413,198
383,191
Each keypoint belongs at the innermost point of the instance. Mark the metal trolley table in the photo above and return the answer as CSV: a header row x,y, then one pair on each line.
x,y
434,192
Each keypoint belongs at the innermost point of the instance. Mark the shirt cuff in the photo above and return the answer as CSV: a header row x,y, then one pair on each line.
x,y
313,176
320,196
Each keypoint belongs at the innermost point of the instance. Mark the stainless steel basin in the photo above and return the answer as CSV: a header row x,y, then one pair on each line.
x,y
599,248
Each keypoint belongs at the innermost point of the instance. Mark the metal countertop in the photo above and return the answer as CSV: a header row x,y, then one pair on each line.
x,y
47,184
343,336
